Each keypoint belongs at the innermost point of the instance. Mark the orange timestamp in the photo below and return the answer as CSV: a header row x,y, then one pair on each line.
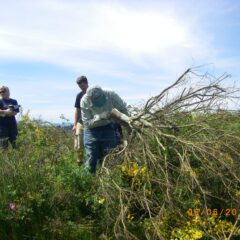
x,y
213,212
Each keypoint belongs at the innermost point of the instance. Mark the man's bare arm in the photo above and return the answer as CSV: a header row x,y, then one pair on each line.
x,y
76,117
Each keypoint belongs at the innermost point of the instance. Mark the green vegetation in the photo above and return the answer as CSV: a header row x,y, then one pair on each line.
x,y
177,178
147,193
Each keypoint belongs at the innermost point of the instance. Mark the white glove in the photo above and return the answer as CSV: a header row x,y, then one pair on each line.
x,y
120,116
102,116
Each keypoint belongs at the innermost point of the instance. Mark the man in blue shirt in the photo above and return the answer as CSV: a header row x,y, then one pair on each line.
x,y
77,130
8,125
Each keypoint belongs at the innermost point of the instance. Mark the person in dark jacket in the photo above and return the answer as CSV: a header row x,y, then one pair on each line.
x,y
8,124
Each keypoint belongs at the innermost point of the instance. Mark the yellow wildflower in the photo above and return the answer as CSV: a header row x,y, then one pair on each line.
x,y
101,201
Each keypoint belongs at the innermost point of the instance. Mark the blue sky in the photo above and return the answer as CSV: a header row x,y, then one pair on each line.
x,y
136,48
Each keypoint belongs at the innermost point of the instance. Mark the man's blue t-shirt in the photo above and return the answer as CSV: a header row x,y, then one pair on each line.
x,y
8,124
78,99
77,104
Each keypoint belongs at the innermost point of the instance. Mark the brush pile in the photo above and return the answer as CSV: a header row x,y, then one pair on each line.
x,y
178,177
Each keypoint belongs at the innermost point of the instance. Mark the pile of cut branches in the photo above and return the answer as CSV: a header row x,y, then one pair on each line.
x,y
179,173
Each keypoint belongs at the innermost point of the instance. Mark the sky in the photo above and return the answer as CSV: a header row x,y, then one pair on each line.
x,y
135,48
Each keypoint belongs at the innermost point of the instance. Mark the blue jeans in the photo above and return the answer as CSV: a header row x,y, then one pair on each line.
x,y
97,143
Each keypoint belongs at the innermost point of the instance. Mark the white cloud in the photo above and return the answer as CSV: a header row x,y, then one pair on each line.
x,y
62,32
146,46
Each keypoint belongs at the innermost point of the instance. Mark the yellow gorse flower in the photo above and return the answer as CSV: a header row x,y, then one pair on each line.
x,y
39,133
101,201
132,169
130,217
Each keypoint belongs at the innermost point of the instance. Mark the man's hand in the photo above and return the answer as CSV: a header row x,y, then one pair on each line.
x,y
105,115
102,116
74,130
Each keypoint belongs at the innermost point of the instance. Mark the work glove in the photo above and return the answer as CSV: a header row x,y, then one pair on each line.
x,y
121,117
129,121
102,116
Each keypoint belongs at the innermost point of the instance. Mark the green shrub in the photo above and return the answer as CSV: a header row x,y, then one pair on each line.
x,y
143,192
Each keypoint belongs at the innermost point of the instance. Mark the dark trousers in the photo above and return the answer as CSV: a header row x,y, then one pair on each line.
x,y
7,136
4,143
